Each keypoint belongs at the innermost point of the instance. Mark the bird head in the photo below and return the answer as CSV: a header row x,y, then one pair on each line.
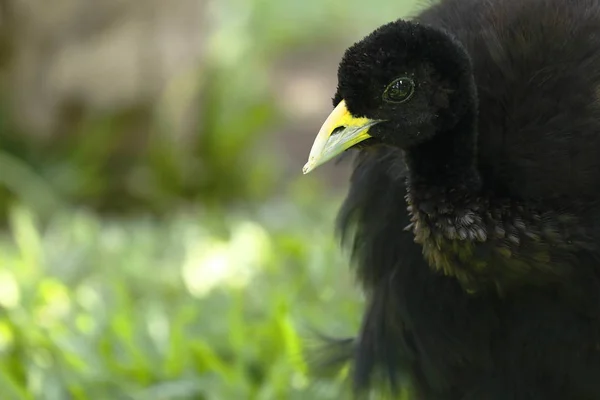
x,y
401,85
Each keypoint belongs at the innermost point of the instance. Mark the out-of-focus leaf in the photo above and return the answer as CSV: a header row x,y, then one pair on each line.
x,y
11,390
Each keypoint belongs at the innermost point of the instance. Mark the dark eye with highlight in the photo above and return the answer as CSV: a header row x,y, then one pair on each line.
x,y
399,91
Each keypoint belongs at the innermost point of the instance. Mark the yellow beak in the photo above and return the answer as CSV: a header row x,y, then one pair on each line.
x,y
326,146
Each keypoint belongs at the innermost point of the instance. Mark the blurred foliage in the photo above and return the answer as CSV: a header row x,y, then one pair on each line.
x,y
126,159
134,158
199,308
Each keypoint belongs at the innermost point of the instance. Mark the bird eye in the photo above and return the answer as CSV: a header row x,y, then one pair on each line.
x,y
399,91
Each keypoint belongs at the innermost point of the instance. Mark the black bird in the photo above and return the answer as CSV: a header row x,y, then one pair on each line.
x,y
473,213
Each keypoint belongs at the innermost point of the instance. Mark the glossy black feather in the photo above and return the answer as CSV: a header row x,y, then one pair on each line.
x,y
518,317
536,66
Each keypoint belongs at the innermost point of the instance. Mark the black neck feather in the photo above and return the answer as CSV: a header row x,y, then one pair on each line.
x,y
482,240
447,163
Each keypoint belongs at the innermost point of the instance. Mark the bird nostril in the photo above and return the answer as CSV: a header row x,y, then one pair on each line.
x,y
337,130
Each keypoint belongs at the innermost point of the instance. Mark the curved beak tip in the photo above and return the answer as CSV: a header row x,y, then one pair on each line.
x,y
310,165
326,147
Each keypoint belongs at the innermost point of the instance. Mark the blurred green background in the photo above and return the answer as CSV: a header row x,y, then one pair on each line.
x,y
158,240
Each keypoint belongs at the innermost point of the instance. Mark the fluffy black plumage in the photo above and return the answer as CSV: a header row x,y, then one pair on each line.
x,y
473,212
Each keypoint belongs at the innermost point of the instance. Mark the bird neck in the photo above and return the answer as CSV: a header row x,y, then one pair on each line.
x,y
446,164
445,204
483,241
